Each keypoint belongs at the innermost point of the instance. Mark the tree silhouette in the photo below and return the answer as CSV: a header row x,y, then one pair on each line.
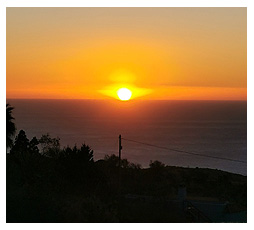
x,y
10,126
50,146
113,161
156,164
21,144
84,154
33,148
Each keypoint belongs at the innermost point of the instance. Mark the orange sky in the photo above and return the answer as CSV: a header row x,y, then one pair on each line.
x,y
159,53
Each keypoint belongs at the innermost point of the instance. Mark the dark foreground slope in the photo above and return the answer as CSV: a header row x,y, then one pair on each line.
x,y
72,188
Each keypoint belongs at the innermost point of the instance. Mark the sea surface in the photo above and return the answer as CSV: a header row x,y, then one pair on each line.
x,y
212,128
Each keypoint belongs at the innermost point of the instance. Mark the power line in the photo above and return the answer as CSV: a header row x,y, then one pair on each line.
x,y
187,152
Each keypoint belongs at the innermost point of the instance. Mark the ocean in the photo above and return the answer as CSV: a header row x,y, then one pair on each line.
x,y
211,128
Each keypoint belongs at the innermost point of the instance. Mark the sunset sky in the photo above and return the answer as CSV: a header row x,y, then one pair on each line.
x,y
158,53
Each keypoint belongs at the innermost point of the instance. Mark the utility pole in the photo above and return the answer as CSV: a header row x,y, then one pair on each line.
x,y
120,148
119,166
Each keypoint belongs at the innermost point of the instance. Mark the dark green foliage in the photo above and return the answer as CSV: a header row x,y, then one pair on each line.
x,y
76,166
50,146
156,165
33,146
113,161
84,154
21,144
23,147
66,185
10,126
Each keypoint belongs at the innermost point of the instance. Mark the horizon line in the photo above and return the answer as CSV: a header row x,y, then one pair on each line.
x,y
94,99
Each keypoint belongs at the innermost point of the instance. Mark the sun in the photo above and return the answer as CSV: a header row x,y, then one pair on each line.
x,y
124,94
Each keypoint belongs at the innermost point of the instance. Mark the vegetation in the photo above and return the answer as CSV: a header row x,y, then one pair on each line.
x,y
10,126
46,183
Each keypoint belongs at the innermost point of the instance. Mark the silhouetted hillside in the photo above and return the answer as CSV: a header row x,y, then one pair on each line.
x,y
65,185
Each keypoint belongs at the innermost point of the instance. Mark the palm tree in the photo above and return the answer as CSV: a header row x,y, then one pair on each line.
x,y
10,126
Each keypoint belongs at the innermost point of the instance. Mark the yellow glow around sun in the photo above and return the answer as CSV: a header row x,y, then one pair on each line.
x,y
123,86
124,94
